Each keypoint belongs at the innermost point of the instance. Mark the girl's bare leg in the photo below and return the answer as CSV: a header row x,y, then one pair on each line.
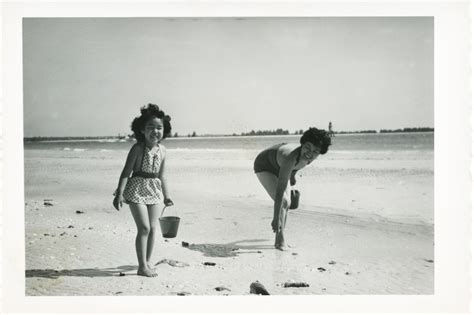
x,y
153,214
140,215
270,181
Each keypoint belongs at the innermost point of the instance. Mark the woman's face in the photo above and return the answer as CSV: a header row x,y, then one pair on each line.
x,y
153,131
309,152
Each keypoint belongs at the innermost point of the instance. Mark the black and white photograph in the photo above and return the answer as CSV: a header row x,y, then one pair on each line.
x,y
237,155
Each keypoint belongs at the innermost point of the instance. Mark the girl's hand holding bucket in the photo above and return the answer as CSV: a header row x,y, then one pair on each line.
x,y
168,202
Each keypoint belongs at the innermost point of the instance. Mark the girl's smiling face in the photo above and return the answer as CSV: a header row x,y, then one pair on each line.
x,y
309,152
153,131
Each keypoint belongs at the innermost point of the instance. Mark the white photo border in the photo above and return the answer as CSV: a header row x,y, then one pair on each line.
x,y
452,158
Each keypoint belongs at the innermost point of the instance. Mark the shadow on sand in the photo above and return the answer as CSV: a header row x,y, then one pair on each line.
x,y
87,272
231,249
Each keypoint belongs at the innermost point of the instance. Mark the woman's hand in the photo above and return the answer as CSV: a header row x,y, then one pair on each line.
x,y
168,202
118,201
276,225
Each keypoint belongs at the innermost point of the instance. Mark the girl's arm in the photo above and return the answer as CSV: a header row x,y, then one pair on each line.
x,y
162,177
126,172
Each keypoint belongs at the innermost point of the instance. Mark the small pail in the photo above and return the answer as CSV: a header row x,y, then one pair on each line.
x,y
295,199
169,226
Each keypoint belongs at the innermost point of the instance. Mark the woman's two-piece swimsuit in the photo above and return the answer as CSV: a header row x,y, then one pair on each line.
x,y
266,161
144,186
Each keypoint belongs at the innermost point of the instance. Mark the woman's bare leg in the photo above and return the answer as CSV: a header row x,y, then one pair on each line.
x,y
270,181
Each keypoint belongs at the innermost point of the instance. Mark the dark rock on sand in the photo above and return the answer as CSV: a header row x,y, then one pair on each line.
x,y
221,289
295,285
258,288
79,211
429,260
332,262
183,293
48,203
321,269
121,274
208,263
185,244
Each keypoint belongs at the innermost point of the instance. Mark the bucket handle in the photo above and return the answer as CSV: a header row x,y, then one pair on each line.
x,y
163,210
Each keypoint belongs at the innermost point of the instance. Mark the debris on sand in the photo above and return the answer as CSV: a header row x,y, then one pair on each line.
x,y
208,263
185,244
221,289
48,203
347,273
121,274
258,288
70,227
429,260
62,234
332,262
183,293
321,269
294,254
79,211
295,285
172,262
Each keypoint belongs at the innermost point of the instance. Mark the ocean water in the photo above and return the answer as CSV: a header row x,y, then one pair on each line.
x,y
349,144
360,161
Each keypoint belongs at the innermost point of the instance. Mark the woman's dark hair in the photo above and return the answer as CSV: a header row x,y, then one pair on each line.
x,y
318,137
148,112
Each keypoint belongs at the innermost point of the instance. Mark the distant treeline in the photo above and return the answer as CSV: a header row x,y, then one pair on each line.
x,y
278,131
350,132
422,129
33,139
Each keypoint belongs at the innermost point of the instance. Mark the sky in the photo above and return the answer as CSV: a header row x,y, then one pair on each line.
x,y
90,76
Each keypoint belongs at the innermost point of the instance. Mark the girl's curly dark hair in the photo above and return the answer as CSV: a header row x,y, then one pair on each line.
x,y
148,112
318,137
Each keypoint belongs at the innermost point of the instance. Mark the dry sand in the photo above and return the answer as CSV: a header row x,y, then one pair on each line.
x,y
225,218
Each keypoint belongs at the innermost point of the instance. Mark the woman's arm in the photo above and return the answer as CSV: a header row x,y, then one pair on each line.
x,y
287,161
292,178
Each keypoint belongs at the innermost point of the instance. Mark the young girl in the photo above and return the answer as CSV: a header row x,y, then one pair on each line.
x,y
145,189
277,165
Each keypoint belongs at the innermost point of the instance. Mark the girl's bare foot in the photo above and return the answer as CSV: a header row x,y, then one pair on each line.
x,y
150,267
146,272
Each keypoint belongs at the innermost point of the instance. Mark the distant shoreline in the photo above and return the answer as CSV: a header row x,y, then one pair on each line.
x,y
121,139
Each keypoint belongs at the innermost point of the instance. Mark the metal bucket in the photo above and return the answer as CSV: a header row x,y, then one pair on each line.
x,y
169,226
295,199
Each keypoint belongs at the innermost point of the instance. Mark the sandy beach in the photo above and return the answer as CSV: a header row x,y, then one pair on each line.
x,y
78,244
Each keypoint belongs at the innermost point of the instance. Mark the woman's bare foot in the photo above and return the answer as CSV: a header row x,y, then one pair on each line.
x,y
146,272
280,242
